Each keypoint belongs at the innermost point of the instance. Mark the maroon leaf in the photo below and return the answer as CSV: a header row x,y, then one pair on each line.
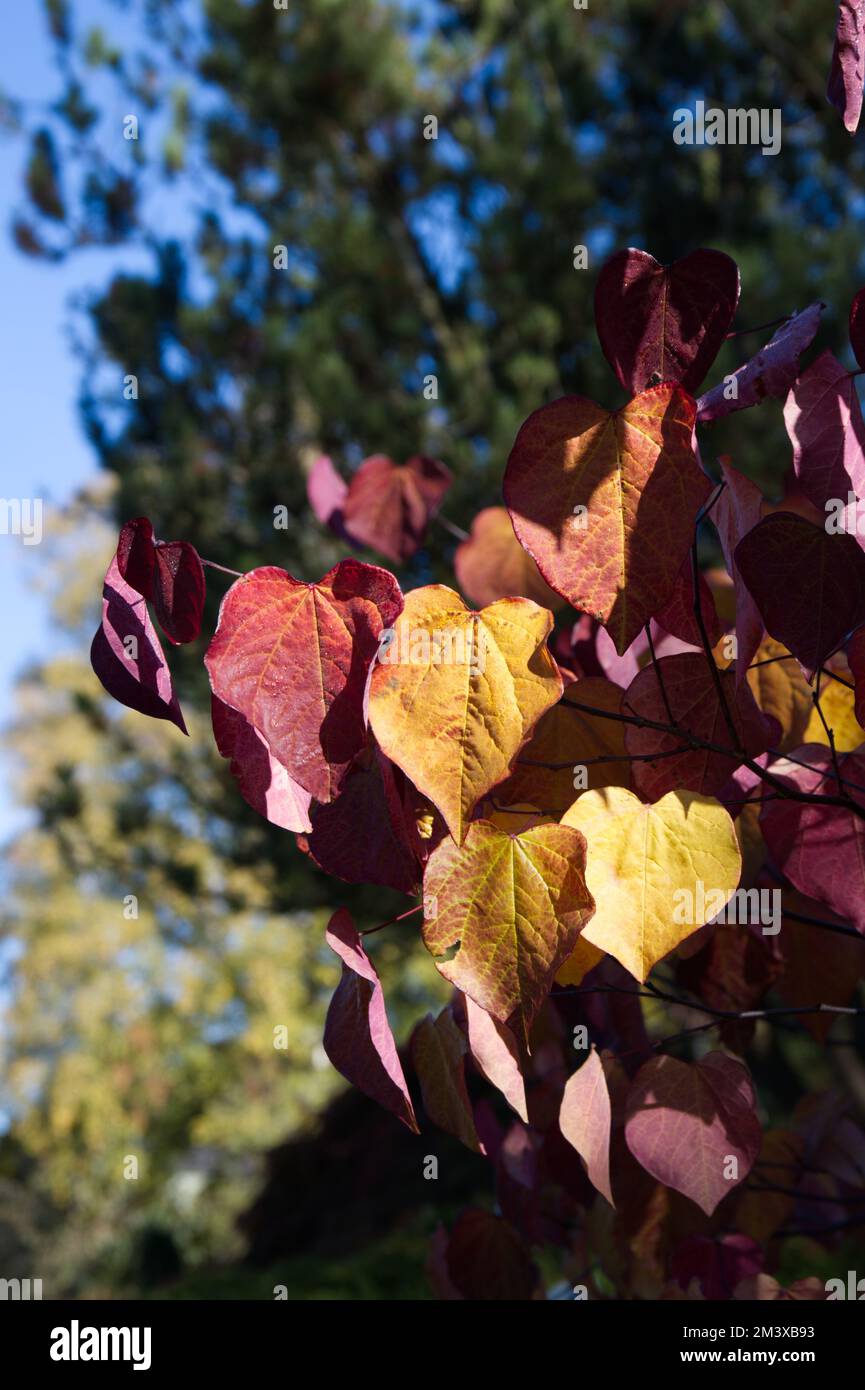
x,y
438,1050
677,615
857,327
261,779
293,658
357,1035
127,655
732,971
735,513
820,849
389,507
178,590
693,701
856,659
717,1263
487,1260
693,1126
771,373
368,834
136,556
664,323
808,586
847,73
824,422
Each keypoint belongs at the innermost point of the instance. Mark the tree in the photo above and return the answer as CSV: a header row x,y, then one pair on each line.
x,y
411,741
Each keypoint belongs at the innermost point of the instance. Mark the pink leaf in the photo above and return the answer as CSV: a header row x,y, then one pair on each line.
x,y
693,1125
824,422
847,73
584,1120
357,1035
326,492
494,1049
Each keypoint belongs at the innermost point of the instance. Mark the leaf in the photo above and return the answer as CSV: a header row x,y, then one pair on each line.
x,y
584,1119
820,849
687,1120
717,1263
487,1260
855,651
293,659
438,1051
565,738
514,906
664,323
178,590
837,702
677,615
781,691
733,971
824,421
136,557
808,586
694,704
456,694
847,73
357,1035
389,507
640,857
127,656
606,503
857,327
326,492
374,796
262,781
492,564
771,373
736,512
820,967
495,1052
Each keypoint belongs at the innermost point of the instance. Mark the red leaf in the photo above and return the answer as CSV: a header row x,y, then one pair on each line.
x,y
438,1050
376,796
574,482
808,586
293,659
847,73
664,323
695,707
178,590
487,1260
717,1263
127,655
261,779
357,1035
771,373
389,507
492,564
689,1124
585,1118
820,849
136,556
735,513
824,422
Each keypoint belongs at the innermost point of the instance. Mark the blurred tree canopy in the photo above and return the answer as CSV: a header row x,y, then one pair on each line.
x,y
313,257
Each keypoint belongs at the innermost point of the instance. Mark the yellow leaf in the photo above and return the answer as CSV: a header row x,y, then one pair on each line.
x,y
456,694
642,862
837,704
781,690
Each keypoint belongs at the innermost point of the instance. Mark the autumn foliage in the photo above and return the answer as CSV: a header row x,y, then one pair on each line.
x,y
615,780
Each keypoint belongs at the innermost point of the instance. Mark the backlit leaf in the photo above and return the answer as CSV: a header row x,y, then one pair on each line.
x,y
585,1118
127,656
492,564
388,507
438,1051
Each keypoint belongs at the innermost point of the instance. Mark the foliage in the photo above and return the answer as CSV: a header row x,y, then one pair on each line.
x,y
676,886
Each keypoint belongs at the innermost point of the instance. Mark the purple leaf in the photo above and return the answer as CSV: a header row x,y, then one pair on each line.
x,y
178,591
771,373
847,73
326,491
261,780
357,1035
824,422
136,555
127,655
735,513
